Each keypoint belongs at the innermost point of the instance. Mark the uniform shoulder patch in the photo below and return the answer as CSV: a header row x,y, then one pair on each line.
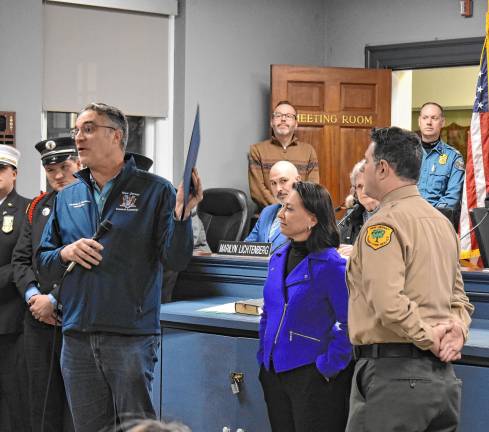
x,y
378,236
459,164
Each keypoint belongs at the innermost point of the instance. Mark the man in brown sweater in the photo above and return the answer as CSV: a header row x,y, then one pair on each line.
x,y
283,145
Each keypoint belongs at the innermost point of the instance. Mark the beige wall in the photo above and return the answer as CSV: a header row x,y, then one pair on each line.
x,y
460,117
453,88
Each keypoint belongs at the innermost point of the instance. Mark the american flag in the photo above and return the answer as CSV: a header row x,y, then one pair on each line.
x,y
476,184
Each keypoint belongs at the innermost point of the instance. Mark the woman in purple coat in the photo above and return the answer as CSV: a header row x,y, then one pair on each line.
x,y
305,354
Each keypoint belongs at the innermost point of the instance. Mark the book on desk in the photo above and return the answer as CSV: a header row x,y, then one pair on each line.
x,y
249,307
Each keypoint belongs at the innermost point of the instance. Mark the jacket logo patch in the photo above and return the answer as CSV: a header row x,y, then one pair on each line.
x,y
8,224
128,202
378,236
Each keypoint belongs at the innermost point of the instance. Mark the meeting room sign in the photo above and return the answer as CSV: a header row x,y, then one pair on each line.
x,y
316,118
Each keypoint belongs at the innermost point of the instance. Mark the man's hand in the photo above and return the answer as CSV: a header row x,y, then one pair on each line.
x,y
42,309
194,198
85,252
452,343
439,332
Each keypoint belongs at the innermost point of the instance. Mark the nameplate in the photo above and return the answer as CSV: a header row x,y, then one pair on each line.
x,y
244,248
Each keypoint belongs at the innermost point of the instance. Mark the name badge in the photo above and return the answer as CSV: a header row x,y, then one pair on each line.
x,y
8,224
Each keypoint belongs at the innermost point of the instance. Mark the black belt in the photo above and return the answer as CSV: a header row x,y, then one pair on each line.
x,y
393,350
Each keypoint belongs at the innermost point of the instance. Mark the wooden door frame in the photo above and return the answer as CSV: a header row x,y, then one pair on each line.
x,y
421,55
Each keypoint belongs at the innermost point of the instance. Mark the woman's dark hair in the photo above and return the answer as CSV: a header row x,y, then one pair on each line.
x,y
316,200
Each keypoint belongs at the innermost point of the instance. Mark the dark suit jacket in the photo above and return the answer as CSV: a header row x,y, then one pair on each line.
x,y
351,224
12,307
24,255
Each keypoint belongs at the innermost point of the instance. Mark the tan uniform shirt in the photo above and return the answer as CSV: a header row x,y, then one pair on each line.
x,y
404,274
264,154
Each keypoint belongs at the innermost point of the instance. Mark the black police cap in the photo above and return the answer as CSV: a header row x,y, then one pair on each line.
x,y
56,150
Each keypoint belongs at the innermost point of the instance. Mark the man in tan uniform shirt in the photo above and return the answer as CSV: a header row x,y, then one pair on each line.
x,y
283,145
408,313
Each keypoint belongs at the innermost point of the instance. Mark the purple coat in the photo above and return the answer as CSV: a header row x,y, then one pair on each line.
x,y
312,326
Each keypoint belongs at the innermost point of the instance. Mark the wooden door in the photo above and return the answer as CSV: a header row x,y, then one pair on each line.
x,y
336,108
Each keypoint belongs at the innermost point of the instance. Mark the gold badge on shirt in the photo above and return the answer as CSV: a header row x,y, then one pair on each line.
x,y
378,236
442,160
8,224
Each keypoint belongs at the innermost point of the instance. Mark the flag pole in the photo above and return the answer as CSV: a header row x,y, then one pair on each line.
x,y
476,182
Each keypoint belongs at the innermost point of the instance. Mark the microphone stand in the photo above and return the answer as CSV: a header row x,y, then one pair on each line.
x,y
341,224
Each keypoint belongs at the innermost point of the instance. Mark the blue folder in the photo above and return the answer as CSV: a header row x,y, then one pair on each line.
x,y
191,160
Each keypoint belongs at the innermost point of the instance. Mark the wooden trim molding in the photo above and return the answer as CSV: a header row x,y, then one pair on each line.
x,y
421,55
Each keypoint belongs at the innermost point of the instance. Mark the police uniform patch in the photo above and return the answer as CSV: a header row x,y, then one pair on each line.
x,y
8,224
442,160
459,164
378,236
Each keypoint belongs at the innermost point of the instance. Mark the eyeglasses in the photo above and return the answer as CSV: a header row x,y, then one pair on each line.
x,y
288,116
88,129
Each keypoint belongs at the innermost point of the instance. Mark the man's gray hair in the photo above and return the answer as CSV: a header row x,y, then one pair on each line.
x,y
358,168
115,115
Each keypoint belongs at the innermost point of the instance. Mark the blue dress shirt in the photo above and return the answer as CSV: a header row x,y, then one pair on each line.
x,y
442,175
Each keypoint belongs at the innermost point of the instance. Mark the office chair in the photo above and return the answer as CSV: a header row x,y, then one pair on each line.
x,y
225,215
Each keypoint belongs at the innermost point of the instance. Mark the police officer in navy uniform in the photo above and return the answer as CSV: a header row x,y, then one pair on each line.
x,y
60,161
442,169
13,398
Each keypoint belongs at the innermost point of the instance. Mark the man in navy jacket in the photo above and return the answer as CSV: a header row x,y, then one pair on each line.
x,y
283,175
111,298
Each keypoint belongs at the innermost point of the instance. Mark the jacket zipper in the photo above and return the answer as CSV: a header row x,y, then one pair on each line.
x,y
281,322
302,335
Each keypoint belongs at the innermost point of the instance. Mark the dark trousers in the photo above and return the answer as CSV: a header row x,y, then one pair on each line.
x,y
38,342
404,394
13,385
302,400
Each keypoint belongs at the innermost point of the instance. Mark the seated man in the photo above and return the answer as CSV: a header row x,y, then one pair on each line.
x,y
283,145
200,248
283,175
442,170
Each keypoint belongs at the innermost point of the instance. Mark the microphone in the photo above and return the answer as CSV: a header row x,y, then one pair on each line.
x,y
348,215
474,227
104,227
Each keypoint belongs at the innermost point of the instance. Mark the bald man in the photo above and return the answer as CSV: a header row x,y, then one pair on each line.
x,y
283,175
